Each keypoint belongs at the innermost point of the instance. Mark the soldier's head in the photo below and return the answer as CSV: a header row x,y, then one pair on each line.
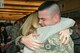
x,y
49,13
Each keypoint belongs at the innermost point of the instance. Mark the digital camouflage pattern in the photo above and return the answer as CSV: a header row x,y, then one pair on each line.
x,y
54,45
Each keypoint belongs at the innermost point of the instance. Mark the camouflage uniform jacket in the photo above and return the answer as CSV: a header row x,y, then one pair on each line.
x,y
54,45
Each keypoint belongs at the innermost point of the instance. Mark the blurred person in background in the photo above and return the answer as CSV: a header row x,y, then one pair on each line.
x,y
3,37
76,38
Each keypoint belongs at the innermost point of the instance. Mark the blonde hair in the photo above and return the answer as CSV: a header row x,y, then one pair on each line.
x,y
30,25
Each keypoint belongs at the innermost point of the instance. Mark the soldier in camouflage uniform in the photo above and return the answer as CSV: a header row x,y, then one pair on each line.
x,y
53,44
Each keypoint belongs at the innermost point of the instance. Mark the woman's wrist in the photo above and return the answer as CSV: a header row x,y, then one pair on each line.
x,y
22,40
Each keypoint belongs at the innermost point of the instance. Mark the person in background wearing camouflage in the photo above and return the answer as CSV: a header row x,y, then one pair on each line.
x,y
49,15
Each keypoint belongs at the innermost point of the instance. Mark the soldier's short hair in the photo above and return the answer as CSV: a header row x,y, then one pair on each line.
x,y
46,4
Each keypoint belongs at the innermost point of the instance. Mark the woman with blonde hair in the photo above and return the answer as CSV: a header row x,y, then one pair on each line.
x,y
31,24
